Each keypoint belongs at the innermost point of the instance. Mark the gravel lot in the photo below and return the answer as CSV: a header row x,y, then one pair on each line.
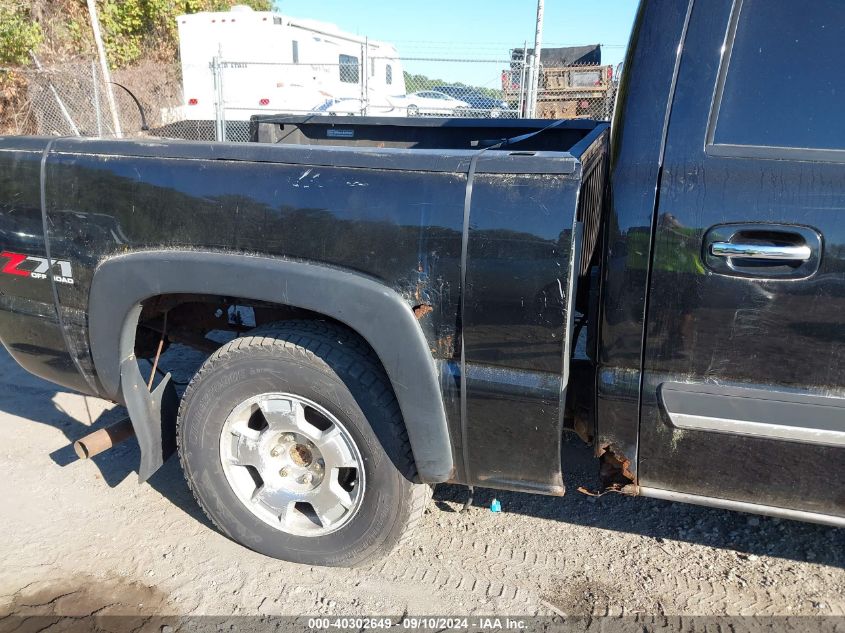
x,y
84,537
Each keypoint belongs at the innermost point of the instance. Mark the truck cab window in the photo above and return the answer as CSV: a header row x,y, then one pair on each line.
x,y
388,74
348,69
295,51
781,84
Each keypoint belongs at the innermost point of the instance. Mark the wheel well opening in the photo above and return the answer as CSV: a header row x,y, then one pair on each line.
x,y
196,325
177,333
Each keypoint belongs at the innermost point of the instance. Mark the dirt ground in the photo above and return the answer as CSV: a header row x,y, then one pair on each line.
x,y
84,537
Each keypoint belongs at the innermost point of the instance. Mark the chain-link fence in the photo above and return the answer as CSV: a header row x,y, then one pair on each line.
x,y
72,99
65,100
215,101
231,91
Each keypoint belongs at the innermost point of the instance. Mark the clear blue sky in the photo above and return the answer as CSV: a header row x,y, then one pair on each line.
x,y
474,29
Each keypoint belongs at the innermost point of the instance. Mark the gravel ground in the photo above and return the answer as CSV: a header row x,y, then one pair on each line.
x,y
84,537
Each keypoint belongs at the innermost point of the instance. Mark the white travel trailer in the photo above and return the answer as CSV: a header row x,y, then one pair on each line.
x,y
274,63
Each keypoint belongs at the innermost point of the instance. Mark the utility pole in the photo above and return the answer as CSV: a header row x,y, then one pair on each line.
x,y
536,65
104,66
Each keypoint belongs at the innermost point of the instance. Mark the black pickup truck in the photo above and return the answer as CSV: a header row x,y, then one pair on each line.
x,y
439,300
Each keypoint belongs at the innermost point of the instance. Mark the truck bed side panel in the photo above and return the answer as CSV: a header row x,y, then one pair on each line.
x,y
514,328
402,228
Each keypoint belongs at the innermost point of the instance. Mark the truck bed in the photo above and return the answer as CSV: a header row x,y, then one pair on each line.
x,y
422,133
513,145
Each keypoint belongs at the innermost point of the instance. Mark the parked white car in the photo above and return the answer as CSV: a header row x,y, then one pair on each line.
x,y
354,107
432,103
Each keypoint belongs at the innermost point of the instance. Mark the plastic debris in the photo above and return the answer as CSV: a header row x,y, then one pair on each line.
x,y
495,505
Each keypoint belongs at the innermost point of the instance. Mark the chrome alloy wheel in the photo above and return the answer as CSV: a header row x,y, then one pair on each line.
x,y
292,464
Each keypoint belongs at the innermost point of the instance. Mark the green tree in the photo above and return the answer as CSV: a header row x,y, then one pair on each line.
x,y
18,33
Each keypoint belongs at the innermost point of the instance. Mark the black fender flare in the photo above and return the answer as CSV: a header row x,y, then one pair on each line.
x,y
376,312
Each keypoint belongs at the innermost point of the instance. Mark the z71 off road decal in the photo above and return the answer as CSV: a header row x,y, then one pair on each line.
x,y
36,267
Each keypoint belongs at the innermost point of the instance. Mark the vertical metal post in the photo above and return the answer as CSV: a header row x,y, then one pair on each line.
x,y
530,109
521,107
364,77
538,58
97,112
104,66
219,105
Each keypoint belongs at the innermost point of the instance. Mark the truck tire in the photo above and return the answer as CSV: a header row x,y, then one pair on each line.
x,y
293,444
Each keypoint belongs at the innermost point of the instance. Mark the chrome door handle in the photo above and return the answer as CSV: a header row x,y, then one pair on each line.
x,y
761,251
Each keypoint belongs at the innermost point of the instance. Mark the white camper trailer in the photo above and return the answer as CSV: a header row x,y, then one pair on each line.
x,y
274,63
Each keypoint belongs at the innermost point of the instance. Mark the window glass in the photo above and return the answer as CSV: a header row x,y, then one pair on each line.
x,y
295,51
388,74
784,85
348,69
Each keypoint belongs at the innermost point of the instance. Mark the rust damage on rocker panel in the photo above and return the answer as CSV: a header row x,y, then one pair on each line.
x,y
615,473
615,470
